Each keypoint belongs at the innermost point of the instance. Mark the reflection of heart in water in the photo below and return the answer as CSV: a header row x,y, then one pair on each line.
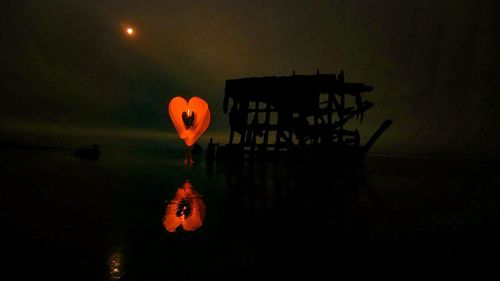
x,y
186,210
183,208
188,118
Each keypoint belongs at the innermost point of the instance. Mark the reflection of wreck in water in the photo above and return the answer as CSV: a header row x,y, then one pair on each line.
x,y
299,114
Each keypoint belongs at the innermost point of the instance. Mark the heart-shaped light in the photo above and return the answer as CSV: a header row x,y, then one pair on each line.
x,y
191,119
186,210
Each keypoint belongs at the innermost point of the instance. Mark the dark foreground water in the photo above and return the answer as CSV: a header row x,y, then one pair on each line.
x,y
64,218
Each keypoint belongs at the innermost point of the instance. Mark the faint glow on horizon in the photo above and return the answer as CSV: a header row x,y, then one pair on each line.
x,y
43,133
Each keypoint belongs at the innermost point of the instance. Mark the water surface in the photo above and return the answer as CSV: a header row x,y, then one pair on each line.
x,y
66,218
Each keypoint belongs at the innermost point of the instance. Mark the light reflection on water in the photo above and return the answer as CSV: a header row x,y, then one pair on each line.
x,y
115,266
185,211
286,214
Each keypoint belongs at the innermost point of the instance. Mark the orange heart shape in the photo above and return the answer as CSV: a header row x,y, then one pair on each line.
x,y
186,210
190,119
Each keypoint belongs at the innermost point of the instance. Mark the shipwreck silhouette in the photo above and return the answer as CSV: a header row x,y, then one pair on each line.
x,y
304,115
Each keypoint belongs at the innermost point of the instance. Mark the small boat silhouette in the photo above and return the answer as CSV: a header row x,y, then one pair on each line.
x,y
91,154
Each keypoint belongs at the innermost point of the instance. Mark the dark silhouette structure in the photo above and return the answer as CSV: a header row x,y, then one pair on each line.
x,y
306,114
91,154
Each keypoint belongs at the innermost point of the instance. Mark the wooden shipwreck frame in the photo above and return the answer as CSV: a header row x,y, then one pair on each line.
x,y
300,114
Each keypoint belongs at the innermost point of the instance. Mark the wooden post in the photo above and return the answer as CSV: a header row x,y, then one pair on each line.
x,y
255,123
342,103
329,108
231,136
244,121
267,125
278,132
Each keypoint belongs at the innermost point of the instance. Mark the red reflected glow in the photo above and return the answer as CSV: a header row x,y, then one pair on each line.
x,y
115,266
186,210
190,119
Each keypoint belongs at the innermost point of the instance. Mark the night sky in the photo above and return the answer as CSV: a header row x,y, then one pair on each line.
x,y
69,66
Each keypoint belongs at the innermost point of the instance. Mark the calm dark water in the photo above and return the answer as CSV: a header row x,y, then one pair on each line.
x,y
64,218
